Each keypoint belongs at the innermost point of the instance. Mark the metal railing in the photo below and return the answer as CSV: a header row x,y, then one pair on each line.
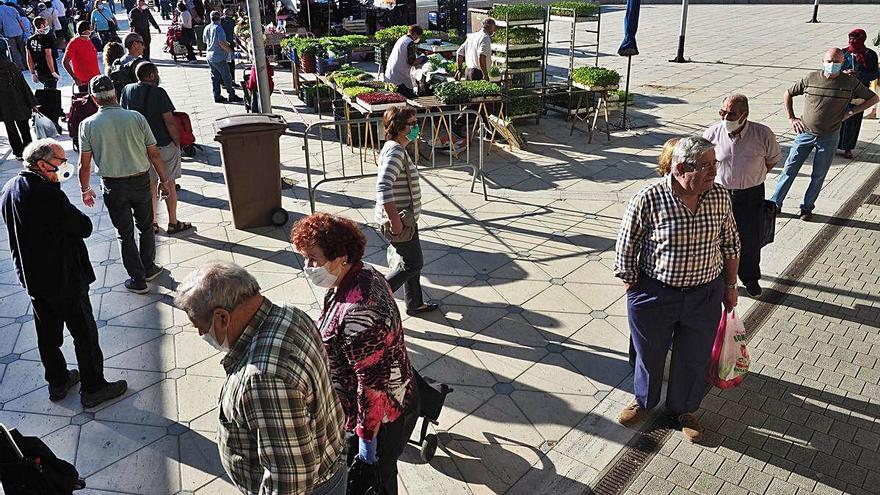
x,y
439,120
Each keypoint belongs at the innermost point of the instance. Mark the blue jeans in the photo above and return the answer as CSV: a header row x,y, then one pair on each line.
x,y
336,485
801,147
220,73
688,319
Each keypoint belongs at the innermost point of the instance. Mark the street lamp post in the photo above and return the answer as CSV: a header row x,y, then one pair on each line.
x,y
814,20
679,58
259,55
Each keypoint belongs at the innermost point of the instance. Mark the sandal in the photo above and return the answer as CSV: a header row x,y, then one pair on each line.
x,y
155,228
174,228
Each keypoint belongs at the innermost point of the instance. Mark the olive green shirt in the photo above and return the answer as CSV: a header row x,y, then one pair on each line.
x,y
117,139
826,100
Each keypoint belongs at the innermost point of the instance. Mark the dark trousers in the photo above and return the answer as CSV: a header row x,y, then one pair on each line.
x,y
849,132
84,89
129,204
188,37
232,70
748,207
146,36
391,441
408,275
405,91
75,310
473,74
688,319
19,133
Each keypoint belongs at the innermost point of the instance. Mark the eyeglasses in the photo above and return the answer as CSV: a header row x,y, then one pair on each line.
x,y
724,113
62,162
698,167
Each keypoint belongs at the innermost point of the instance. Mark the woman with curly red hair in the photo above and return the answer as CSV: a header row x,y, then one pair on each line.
x,y
363,336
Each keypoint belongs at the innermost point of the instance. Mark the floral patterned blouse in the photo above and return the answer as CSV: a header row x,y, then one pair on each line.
x,y
363,336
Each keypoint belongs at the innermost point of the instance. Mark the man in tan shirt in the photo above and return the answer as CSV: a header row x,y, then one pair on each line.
x,y
828,93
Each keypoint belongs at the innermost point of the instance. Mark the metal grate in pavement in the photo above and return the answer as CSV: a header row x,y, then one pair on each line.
x,y
623,470
873,199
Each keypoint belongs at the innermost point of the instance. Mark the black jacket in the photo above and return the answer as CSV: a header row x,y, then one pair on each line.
x,y
46,235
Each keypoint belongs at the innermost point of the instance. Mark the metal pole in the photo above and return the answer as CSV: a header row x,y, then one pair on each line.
x,y
629,61
679,58
259,55
814,20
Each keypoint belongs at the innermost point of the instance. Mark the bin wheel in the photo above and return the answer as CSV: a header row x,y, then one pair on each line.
x,y
429,447
279,217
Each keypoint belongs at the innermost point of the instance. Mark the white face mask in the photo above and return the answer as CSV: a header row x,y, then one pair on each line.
x,y
211,339
732,126
320,276
64,172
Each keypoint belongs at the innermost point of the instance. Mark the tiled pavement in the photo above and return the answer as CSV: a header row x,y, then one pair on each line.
x,y
533,330
807,417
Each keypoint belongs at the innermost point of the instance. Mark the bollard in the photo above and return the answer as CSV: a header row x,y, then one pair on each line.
x,y
814,20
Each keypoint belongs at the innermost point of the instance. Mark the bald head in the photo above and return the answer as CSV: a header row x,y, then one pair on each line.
x,y
832,62
833,55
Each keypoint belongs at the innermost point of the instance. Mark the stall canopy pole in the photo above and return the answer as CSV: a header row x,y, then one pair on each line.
x,y
259,55
815,12
679,58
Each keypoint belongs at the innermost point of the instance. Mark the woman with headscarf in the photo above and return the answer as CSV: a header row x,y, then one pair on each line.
x,y
18,102
861,62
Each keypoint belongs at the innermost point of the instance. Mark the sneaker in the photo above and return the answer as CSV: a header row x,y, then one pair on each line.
x,y
140,288
153,272
235,99
691,427
632,414
220,99
754,289
806,215
109,391
58,393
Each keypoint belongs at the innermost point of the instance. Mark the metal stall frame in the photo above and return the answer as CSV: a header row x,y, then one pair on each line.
x,y
574,21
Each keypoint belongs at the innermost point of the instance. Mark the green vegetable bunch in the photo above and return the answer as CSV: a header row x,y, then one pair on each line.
x,y
494,71
581,8
347,70
348,81
353,91
518,36
393,33
481,89
517,12
451,92
317,89
453,36
595,76
436,61
343,44
303,46
523,102
526,52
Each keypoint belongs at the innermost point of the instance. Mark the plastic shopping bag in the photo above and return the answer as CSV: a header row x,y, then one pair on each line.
x,y
395,262
730,357
43,126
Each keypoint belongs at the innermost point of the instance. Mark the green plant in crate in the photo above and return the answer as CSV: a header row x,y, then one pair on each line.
x,y
303,46
347,81
353,91
622,95
526,64
524,102
581,9
391,34
518,36
517,12
494,71
451,92
595,77
453,36
526,52
481,89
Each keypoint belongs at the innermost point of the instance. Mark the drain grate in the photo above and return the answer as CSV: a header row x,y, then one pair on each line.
x,y
873,199
637,454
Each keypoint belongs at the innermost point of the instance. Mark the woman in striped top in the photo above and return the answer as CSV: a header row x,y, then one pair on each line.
x,y
395,190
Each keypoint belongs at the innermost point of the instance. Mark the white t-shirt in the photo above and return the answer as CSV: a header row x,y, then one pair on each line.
x,y
398,69
476,44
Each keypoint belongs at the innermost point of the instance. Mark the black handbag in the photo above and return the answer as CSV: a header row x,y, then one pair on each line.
x,y
768,232
407,217
363,479
29,467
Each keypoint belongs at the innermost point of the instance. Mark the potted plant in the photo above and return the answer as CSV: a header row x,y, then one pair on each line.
x,y
307,49
494,73
595,78
517,13
451,93
517,38
378,101
580,10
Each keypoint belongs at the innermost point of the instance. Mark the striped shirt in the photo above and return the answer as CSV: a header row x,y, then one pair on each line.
x,y
391,184
663,239
281,424
826,99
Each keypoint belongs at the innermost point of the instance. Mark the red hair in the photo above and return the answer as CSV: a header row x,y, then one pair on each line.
x,y
334,236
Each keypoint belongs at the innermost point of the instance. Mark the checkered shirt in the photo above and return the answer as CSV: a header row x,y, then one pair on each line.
x,y
281,424
660,237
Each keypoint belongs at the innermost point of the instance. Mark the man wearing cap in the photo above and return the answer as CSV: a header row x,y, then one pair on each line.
x,y
123,147
218,54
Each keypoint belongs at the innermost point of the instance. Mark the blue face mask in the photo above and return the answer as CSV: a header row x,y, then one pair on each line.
x,y
831,68
413,133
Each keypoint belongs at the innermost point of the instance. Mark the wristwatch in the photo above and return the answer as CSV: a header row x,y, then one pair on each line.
x,y
731,286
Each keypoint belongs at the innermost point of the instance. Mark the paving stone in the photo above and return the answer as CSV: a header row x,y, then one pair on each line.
x,y
683,475
707,484
780,487
755,481
661,466
731,471
708,462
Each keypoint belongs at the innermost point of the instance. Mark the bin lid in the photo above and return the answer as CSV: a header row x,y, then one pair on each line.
x,y
249,122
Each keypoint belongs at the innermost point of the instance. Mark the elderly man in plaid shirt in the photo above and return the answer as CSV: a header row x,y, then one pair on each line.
x,y
677,253
281,424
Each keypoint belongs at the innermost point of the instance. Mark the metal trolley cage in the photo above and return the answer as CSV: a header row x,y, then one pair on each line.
x,y
573,47
438,121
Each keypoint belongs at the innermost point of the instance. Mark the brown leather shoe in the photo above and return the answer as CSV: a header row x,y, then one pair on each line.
x,y
632,414
691,427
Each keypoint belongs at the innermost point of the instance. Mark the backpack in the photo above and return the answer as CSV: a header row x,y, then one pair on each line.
x,y
81,108
187,138
29,467
123,74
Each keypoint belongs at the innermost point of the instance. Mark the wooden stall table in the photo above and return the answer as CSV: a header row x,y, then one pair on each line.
x,y
601,105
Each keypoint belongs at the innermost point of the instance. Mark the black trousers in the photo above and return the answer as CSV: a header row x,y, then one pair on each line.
x,y
405,91
849,132
188,37
747,210
232,71
408,275
391,441
129,204
19,133
75,310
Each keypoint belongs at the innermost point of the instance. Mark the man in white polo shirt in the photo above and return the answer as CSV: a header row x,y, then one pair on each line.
x,y
745,151
476,53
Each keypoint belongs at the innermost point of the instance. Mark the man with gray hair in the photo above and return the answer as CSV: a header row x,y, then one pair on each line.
x,y
281,426
476,53
745,151
827,96
46,235
123,147
677,254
